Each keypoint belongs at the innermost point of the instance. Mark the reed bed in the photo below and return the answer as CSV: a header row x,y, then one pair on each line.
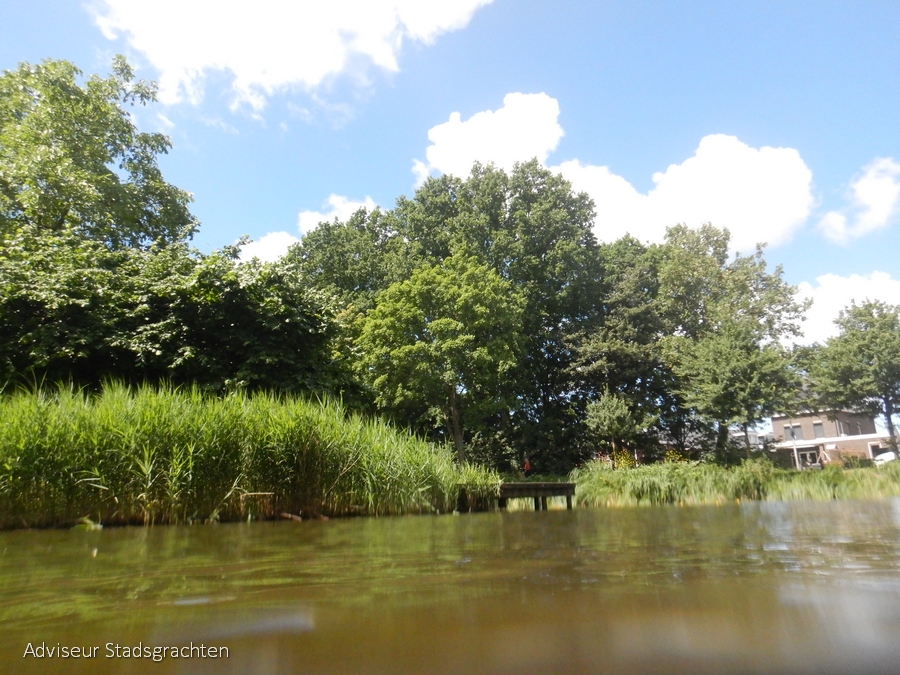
x,y
695,483
170,455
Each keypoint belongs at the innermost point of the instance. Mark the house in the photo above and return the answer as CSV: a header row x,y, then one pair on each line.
x,y
827,436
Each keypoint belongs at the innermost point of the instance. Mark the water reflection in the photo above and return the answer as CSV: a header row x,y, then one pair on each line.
x,y
755,588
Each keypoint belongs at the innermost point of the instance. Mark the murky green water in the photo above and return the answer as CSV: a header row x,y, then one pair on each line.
x,y
757,588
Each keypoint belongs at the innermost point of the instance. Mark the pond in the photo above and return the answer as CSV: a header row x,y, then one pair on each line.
x,y
752,588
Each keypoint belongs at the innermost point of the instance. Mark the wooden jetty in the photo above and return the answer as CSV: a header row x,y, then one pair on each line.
x,y
537,491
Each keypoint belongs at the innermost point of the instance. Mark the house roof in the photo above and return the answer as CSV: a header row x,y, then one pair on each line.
x,y
804,443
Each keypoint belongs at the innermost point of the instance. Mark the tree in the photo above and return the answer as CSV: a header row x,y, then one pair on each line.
x,y
535,233
685,334
72,158
731,377
860,367
72,309
437,346
612,419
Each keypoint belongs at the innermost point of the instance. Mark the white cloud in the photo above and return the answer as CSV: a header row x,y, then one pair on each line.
x,y
270,247
832,293
340,207
525,127
271,44
874,201
760,195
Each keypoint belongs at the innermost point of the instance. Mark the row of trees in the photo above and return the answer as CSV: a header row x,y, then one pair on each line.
x,y
482,311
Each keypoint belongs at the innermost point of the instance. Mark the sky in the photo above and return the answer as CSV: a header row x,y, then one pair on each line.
x,y
777,120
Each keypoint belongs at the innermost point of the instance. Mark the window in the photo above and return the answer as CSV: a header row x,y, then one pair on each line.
x,y
793,432
818,430
808,457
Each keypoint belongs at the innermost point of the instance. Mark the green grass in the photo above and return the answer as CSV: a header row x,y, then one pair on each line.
x,y
695,483
171,455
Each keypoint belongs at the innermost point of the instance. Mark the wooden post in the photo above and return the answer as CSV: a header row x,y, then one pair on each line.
x,y
501,503
537,503
569,502
543,503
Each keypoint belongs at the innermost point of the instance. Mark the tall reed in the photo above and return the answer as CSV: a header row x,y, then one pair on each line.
x,y
695,483
167,455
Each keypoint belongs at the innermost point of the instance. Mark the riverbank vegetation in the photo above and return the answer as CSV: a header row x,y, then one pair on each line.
x,y
597,484
481,313
166,455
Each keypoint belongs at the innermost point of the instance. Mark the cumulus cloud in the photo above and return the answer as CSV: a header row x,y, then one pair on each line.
x,y
831,293
338,207
874,201
760,195
524,127
270,247
270,44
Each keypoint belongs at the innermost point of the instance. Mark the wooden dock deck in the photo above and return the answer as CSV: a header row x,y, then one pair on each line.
x,y
537,491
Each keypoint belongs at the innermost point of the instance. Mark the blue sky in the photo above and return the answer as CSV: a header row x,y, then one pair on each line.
x,y
778,120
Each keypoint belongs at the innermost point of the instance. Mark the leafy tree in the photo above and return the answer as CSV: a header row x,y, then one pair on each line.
x,y
72,158
730,377
612,419
860,367
437,346
355,260
684,333
72,309
535,233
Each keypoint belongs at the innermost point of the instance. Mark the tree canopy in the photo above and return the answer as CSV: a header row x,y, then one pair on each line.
x,y
859,368
71,157
72,309
437,346
480,311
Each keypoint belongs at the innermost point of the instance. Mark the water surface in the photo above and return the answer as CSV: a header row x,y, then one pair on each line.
x,y
752,588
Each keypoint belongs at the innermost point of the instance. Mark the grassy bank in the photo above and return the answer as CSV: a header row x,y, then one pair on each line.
x,y
173,456
693,483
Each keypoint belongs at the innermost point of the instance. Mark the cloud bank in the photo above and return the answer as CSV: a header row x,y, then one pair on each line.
x,y
338,207
874,202
831,293
270,247
273,245
270,45
760,194
524,127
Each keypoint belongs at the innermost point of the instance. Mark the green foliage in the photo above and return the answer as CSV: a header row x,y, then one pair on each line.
x,y
72,159
531,230
437,346
612,420
859,369
731,377
72,309
697,483
178,455
689,338
851,461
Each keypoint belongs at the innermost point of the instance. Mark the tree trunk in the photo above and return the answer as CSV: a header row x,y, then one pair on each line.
x,y
747,438
456,427
722,441
889,421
